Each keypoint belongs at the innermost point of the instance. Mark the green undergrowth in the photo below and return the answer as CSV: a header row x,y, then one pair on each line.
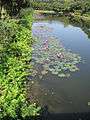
x,y
15,55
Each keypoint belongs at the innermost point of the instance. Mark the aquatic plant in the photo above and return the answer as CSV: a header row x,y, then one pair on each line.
x,y
51,55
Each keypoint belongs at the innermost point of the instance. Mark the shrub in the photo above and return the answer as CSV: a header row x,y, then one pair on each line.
x,y
15,54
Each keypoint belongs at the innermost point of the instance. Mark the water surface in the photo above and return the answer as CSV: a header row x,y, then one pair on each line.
x,y
70,94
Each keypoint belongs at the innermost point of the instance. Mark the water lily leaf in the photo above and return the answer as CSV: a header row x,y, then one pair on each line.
x,y
67,75
62,75
50,69
88,103
49,52
54,72
40,76
44,72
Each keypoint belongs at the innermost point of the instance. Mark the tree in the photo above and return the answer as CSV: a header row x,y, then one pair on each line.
x,y
11,7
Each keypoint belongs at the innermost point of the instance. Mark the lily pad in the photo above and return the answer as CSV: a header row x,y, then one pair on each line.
x,y
44,72
54,72
51,55
88,103
62,75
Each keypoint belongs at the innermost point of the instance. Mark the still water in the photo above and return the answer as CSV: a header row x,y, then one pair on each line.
x,y
70,94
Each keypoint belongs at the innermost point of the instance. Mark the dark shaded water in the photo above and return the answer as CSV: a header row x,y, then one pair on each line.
x,y
66,94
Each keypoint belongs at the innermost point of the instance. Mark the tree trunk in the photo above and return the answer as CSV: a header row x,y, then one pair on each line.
x,y
2,12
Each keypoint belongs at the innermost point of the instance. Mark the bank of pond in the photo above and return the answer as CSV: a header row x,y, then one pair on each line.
x,y
43,65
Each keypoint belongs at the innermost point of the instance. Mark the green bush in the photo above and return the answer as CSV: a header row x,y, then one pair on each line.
x,y
15,54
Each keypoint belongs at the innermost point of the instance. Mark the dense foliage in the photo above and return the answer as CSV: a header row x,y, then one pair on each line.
x,y
11,7
15,54
82,6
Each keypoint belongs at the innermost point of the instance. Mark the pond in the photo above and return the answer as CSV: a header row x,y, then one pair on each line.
x,y
61,65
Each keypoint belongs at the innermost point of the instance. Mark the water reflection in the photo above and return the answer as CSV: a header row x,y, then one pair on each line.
x,y
84,25
67,94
